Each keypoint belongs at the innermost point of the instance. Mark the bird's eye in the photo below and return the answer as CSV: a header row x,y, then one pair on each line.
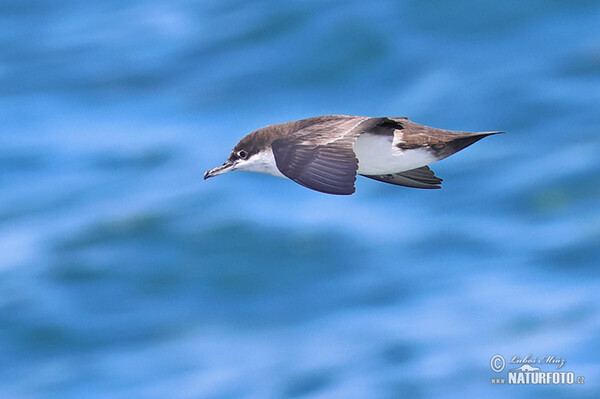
x,y
242,154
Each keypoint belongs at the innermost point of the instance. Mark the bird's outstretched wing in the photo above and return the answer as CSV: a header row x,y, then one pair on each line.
x,y
422,177
320,155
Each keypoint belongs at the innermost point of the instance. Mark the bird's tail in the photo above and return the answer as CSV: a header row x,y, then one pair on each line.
x,y
462,141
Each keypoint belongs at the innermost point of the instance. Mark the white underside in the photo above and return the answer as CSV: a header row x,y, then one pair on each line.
x,y
378,156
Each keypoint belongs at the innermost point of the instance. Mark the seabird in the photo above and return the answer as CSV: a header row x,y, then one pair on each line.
x,y
325,153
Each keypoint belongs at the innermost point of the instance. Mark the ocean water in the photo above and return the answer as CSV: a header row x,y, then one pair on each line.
x,y
124,275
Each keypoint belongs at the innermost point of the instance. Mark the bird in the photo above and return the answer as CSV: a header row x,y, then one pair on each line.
x,y
326,153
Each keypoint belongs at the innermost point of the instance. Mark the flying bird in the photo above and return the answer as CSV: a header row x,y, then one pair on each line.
x,y
325,153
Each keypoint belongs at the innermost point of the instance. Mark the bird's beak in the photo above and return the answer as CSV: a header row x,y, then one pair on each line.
x,y
219,170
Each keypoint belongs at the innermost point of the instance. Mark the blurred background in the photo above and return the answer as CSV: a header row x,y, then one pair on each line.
x,y
124,275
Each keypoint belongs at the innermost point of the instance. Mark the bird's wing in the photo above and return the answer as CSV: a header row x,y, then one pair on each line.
x,y
418,178
320,156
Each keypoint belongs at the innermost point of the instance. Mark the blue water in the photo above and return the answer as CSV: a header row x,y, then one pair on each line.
x,y
124,275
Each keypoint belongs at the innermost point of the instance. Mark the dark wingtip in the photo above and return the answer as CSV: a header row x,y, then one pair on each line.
x,y
490,133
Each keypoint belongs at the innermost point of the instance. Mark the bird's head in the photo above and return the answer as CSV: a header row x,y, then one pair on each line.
x,y
253,154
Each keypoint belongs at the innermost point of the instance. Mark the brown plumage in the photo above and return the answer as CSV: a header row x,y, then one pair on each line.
x,y
325,153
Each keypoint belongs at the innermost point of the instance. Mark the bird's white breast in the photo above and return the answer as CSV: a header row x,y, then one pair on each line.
x,y
378,156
